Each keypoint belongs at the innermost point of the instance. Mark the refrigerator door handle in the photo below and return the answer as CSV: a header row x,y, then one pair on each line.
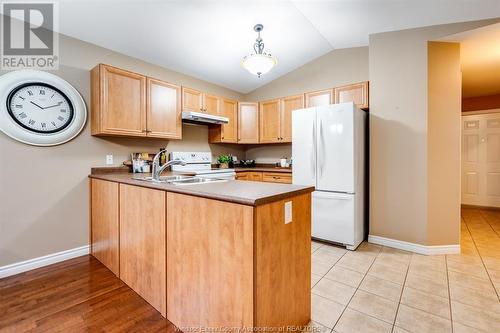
x,y
322,145
313,151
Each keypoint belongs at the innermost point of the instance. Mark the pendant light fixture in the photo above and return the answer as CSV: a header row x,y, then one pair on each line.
x,y
258,63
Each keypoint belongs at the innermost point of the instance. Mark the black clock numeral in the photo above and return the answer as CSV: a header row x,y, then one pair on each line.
x,y
31,122
63,110
19,106
22,115
21,97
60,118
42,92
53,123
30,93
52,95
43,125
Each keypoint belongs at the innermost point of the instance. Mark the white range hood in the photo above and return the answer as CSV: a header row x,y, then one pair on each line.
x,y
203,118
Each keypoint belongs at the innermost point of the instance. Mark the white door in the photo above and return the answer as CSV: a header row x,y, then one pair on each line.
x,y
304,146
335,148
333,217
481,160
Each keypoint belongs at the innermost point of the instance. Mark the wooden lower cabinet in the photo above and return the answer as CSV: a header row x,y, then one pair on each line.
x,y
143,243
209,258
270,177
104,223
231,265
208,263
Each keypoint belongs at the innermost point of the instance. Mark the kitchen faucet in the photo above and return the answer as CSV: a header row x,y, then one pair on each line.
x,y
157,169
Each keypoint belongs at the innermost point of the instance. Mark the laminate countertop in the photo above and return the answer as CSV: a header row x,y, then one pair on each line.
x,y
241,192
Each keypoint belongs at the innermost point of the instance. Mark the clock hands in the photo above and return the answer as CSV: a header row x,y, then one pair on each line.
x,y
53,105
37,105
47,107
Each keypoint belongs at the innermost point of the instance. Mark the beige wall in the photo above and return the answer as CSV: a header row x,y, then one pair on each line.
x,y
443,143
336,68
45,207
398,132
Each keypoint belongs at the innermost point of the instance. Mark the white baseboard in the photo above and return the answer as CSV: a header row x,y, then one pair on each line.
x,y
49,259
412,247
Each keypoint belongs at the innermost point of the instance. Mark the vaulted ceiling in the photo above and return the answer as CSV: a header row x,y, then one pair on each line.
x,y
207,39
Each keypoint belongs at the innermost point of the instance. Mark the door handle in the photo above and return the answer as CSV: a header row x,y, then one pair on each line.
x,y
322,147
313,151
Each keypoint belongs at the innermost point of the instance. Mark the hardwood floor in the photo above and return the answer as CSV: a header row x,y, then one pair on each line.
x,y
78,295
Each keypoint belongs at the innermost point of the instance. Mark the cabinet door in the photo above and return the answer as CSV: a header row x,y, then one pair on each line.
x,y
255,176
229,109
104,223
319,98
277,177
163,110
269,120
123,102
248,123
211,104
357,93
143,243
241,175
288,104
192,100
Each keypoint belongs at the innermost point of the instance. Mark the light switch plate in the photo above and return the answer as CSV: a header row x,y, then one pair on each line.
x,y
109,159
288,212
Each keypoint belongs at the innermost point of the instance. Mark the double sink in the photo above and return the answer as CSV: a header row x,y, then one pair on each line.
x,y
182,180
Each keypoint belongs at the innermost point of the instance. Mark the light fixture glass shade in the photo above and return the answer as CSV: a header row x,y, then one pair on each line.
x,y
259,64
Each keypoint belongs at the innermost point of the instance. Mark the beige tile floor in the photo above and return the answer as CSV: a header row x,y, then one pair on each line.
x,y
380,289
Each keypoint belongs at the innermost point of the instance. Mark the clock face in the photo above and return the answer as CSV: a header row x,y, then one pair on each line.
x,y
40,108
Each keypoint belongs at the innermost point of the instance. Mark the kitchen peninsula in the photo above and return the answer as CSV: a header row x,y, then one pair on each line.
x,y
218,255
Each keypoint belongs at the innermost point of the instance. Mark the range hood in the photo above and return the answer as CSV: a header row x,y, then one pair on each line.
x,y
203,118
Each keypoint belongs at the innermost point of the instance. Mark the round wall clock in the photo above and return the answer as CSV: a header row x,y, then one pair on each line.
x,y
39,108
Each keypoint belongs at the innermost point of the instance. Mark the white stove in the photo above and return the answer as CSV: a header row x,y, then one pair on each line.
x,y
200,163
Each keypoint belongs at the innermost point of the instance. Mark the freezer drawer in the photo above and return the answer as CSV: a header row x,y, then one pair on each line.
x,y
333,217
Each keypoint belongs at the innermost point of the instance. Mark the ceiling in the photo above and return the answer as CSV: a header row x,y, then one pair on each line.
x,y
207,39
480,60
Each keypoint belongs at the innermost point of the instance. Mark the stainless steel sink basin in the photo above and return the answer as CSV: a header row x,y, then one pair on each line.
x,y
181,180
165,179
197,180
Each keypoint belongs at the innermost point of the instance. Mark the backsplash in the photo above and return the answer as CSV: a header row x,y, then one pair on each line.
x,y
269,153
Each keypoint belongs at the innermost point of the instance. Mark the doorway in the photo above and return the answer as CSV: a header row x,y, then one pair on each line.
x,y
481,159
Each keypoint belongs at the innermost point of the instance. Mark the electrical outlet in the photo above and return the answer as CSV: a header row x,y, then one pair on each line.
x,y
288,212
109,159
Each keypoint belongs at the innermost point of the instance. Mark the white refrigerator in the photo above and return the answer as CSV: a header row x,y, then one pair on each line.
x,y
328,150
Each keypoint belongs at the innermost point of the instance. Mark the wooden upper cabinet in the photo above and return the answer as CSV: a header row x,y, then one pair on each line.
x,y
319,98
269,121
288,104
248,122
163,110
192,100
357,93
211,104
118,102
130,104
229,109
226,132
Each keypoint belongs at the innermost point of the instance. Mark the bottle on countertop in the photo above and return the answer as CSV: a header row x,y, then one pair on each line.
x,y
163,156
